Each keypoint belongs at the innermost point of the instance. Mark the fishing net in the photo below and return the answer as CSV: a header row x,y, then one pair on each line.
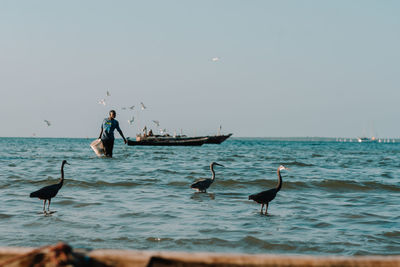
x,y
97,147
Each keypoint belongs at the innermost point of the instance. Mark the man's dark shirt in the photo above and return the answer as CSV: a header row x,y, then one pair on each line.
x,y
108,126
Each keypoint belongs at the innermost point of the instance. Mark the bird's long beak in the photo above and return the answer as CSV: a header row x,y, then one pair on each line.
x,y
219,164
67,163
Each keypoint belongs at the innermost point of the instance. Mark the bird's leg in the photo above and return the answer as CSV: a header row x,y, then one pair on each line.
x,y
266,209
48,207
44,205
262,206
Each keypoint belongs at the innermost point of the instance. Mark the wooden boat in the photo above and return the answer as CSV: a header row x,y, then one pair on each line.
x,y
180,140
167,141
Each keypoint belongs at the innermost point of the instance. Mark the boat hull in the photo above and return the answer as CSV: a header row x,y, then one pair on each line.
x,y
217,139
178,140
168,142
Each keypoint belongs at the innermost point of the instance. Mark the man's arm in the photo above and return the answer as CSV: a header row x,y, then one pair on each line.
x,y
120,132
101,131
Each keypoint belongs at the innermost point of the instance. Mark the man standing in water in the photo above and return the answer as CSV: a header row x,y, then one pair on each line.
x,y
107,133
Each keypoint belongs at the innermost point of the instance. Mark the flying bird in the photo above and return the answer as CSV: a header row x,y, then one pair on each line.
x,y
265,197
102,102
143,106
47,122
131,108
156,123
108,93
215,59
201,185
50,191
131,120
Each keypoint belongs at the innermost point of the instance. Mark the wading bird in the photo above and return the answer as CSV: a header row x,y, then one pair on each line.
x,y
50,191
201,185
265,197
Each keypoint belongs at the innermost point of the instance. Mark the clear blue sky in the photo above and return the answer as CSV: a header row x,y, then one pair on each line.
x,y
286,68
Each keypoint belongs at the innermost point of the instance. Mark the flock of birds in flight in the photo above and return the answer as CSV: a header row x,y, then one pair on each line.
x,y
264,197
130,121
143,107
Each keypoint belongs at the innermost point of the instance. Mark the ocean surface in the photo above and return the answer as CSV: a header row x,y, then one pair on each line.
x,y
337,199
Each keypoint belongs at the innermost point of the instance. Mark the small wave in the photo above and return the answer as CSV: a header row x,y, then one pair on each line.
x,y
162,152
4,185
206,241
129,214
97,240
165,171
122,238
65,202
101,183
339,185
178,184
160,157
5,216
315,155
387,175
391,234
299,164
80,205
13,176
327,184
238,156
262,183
253,241
322,225
355,186
158,239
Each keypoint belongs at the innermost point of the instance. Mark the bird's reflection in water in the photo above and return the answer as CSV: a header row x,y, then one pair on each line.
x,y
199,196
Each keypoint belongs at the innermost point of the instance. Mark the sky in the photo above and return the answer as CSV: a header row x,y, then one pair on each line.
x,y
285,68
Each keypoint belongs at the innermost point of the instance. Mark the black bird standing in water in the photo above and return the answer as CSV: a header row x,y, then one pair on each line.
x,y
201,185
50,191
265,197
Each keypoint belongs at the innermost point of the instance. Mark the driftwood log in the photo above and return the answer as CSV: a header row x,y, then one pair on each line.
x,y
63,255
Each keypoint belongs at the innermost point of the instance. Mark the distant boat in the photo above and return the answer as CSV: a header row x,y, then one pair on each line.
x,y
180,140
366,139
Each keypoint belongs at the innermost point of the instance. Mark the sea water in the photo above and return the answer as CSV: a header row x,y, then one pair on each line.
x,y
337,199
